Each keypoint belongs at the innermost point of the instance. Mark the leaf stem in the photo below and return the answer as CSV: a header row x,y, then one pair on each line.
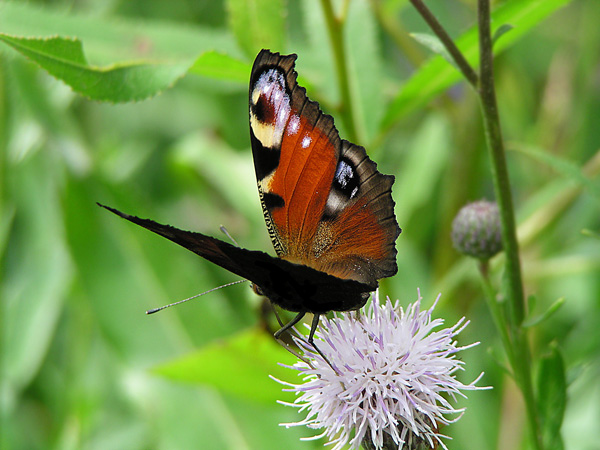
x,y
441,33
335,28
496,311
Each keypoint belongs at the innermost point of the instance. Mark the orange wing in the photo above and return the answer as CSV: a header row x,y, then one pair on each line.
x,y
325,204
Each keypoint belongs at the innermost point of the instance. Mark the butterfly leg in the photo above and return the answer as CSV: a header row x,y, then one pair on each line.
x,y
276,314
311,335
311,341
290,324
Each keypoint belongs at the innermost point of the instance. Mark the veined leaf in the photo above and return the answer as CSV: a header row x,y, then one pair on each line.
x,y
64,58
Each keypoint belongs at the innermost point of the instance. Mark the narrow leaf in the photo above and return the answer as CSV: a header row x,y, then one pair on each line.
x,y
433,43
545,315
566,168
364,71
503,29
36,283
437,75
552,397
427,157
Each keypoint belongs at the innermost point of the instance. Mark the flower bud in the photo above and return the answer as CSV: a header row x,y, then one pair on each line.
x,y
476,230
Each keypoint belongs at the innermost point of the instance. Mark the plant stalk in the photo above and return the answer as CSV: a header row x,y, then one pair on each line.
x,y
509,325
335,28
513,288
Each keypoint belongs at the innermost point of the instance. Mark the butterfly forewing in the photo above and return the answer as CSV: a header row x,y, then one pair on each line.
x,y
293,155
325,203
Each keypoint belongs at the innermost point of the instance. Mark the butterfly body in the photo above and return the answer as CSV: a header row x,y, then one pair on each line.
x,y
329,212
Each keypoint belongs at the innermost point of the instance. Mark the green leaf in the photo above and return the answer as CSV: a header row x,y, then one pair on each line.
x,y
240,365
257,24
211,158
64,59
437,75
37,280
552,398
123,61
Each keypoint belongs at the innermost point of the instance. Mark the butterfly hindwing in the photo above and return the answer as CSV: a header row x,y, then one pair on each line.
x,y
325,203
359,226
294,287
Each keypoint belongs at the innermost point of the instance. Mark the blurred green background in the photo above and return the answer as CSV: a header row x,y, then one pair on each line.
x,y
84,367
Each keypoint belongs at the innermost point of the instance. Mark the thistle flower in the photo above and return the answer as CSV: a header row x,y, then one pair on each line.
x,y
476,230
389,379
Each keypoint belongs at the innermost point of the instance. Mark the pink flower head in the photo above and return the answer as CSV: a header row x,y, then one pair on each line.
x,y
390,373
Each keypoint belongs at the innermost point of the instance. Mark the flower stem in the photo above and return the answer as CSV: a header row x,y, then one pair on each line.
x,y
514,285
510,325
487,95
335,27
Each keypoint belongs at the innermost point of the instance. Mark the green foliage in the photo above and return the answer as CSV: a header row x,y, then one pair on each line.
x,y
552,392
257,24
241,366
436,75
148,112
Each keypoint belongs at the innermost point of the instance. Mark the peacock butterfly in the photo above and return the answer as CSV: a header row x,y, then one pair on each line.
x,y
329,212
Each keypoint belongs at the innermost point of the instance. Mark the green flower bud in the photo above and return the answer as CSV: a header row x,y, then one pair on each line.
x,y
476,230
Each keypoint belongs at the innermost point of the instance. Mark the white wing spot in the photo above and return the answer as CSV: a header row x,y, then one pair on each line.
x,y
306,140
271,86
293,125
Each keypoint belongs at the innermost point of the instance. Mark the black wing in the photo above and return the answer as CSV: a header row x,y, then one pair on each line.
x,y
293,287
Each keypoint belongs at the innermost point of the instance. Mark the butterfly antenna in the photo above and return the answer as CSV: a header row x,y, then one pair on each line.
x,y
155,310
226,233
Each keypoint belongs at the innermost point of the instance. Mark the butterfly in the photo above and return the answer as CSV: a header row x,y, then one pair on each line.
x,y
328,211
